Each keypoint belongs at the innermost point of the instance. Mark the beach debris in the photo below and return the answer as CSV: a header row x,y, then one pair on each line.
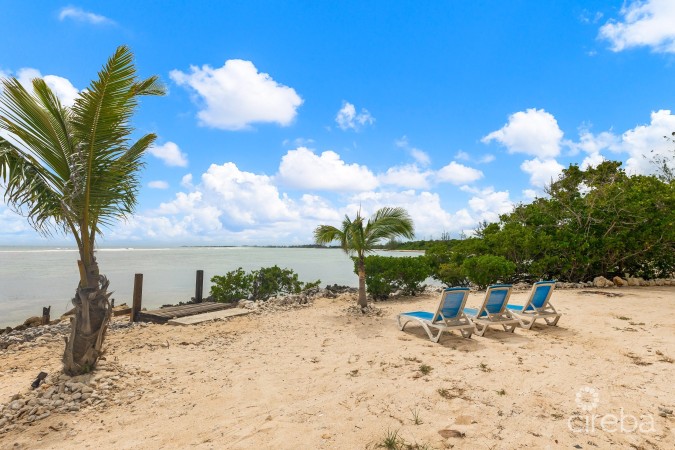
x,y
665,412
447,433
606,294
41,376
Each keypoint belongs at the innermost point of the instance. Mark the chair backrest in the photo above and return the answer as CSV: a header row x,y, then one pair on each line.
x,y
541,293
496,298
451,304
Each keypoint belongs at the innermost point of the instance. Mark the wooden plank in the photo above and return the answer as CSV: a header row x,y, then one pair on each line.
x,y
200,318
164,314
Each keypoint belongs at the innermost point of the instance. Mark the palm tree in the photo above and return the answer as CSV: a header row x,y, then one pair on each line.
x,y
355,238
73,170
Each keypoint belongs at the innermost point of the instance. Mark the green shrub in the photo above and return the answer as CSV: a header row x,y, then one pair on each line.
x,y
450,274
259,284
232,286
386,274
487,269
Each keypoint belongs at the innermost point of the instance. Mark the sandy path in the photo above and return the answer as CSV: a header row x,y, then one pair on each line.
x,y
317,378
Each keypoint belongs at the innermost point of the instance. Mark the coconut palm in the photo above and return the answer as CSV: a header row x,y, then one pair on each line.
x,y
74,170
359,239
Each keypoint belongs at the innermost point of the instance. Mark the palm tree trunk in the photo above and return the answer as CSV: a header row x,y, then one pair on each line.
x,y
92,315
362,283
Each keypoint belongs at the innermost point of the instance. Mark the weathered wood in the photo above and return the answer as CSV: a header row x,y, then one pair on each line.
x,y
213,315
121,312
164,314
45,315
199,288
138,297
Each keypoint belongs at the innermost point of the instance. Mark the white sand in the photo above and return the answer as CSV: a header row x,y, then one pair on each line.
x,y
317,378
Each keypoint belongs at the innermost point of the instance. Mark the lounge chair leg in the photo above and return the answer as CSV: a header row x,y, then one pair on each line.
x,y
480,331
509,328
552,323
466,333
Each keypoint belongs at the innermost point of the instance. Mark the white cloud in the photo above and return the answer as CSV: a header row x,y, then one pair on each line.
x,y
158,184
529,195
641,143
408,176
347,118
186,181
62,87
80,15
303,169
170,153
402,142
646,23
488,204
236,95
542,172
420,156
644,142
458,174
533,132
592,160
424,208
485,159
463,156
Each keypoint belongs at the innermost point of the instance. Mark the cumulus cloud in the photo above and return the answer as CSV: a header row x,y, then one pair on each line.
x,y
236,95
409,176
80,15
458,174
158,184
646,23
348,119
542,172
170,153
186,181
424,208
304,169
488,204
534,132
529,195
644,142
641,143
62,87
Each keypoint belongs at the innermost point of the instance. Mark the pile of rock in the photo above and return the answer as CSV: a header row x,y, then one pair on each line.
x,y
602,282
18,339
61,394
294,301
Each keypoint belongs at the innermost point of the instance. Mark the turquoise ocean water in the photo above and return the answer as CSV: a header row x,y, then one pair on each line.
x,y
33,277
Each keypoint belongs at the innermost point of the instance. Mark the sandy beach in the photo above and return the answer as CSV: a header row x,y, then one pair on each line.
x,y
321,378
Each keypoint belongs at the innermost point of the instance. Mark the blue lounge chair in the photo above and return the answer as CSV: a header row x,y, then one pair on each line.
x,y
493,311
538,306
448,316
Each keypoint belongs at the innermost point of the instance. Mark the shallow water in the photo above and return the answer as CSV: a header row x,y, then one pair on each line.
x,y
32,277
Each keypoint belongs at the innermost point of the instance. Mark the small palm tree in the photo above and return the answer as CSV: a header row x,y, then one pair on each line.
x,y
355,238
74,169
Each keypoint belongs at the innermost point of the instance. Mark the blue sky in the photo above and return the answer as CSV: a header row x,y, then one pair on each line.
x,y
284,115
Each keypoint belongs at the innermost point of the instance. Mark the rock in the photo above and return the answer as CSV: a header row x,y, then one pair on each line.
x,y
602,282
618,281
33,322
16,405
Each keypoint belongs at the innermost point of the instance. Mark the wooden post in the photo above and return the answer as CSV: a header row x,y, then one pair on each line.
x,y
138,296
199,288
45,315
